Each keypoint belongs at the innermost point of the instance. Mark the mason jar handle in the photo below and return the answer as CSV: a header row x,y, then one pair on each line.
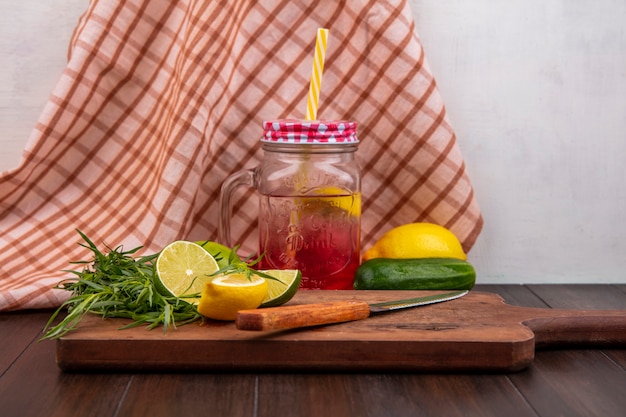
x,y
234,181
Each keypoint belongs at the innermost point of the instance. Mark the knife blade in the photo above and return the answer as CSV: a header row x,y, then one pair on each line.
x,y
306,315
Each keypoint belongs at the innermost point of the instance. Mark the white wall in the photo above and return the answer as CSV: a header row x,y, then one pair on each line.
x,y
536,90
34,38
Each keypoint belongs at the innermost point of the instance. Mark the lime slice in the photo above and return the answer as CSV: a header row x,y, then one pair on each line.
x,y
220,252
283,288
223,297
183,268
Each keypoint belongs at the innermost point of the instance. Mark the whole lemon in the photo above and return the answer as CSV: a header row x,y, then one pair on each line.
x,y
417,240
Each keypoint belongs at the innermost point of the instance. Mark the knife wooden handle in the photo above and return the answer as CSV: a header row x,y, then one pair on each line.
x,y
304,315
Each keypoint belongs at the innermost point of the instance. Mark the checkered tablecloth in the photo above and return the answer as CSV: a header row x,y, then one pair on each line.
x,y
161,100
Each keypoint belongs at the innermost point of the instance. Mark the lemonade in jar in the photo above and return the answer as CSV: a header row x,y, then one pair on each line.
x,y
309,191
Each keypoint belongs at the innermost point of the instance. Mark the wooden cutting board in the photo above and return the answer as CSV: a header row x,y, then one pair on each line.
x,y
476,332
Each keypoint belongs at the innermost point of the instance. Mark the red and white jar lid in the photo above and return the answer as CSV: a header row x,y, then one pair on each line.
x,y
311,132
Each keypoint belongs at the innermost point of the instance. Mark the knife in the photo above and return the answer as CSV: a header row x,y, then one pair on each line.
x,y
305,315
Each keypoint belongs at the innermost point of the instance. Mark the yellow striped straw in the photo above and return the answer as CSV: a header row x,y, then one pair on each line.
x,y
316,74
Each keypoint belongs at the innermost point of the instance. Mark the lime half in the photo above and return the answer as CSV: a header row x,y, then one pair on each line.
x,y
182,269
283,288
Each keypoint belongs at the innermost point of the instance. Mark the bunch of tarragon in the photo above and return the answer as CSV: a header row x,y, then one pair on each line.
x,y
117,284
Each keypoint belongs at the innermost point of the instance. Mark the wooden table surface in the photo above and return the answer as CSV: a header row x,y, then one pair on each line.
x,y
566,382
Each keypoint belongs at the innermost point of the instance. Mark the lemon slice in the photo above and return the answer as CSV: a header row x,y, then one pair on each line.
x,y
336,197
223,297
283,288
183,268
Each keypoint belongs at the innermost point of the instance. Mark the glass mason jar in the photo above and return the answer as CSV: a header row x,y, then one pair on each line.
x,y
309,189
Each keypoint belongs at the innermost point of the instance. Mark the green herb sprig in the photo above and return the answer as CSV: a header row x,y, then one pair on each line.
x,y
117,284
237,266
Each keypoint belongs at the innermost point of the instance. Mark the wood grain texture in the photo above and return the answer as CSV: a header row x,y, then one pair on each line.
x,y
185,394
476,332
573,383
577,382
398,395
21,329
303,315
33,386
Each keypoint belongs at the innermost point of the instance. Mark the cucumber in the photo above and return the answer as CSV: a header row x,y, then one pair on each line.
x,y
415,274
